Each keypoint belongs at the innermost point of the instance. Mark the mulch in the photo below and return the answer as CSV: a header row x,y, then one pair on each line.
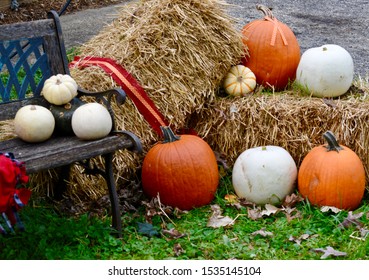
x,y
38,9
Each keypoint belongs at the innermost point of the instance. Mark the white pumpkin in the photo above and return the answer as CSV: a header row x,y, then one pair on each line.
x,y
326,71
264,175
59,89
239,81
91,121
33,123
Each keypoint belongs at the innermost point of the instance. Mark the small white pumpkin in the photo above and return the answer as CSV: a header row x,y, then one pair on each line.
x,y
239,81
326,71
264,175
34,123
59,89
91,121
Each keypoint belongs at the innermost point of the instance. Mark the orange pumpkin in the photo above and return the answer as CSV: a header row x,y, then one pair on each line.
x,y
332,175
183,170
274,52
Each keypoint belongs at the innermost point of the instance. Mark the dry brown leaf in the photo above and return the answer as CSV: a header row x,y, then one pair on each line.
x,y
217,220
173,233
352,219
329,251
262,232
333,209
270,210
254,213
178,250
301,238
291,200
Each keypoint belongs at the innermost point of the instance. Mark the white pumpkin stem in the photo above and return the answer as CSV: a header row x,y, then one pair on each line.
x,y
58,82
332,142
265,10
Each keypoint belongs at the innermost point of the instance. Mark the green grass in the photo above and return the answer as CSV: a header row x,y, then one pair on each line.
x,y
52,236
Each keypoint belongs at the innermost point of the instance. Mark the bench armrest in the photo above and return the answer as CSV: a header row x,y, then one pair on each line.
x,y
105,97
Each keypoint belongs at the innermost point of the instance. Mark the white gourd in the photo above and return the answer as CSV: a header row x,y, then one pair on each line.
x,y
33,123
326,71
264,175
239,81
91,121
59,89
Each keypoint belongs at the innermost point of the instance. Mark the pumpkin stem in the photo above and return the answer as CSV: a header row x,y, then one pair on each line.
x,y
169,135
265,10
332,142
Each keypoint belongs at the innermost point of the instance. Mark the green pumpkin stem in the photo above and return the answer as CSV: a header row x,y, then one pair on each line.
x,y
169,135
332,142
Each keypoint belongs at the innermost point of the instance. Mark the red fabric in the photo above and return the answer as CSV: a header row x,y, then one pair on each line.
x,y
129,84
12,174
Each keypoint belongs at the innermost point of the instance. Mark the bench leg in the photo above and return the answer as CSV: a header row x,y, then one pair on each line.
x,y
61,185
109,177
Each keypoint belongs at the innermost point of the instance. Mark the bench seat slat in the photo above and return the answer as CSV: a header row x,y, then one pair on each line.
x,y
60,151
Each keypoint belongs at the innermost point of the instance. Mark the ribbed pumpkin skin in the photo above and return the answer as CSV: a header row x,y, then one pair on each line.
x,y
184,173
274,52
331,178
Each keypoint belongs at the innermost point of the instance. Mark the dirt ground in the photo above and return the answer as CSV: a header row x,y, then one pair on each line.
x,y
38,9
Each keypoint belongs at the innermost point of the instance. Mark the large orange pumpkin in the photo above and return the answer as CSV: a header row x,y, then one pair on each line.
x,y
183,170
332,175
274,52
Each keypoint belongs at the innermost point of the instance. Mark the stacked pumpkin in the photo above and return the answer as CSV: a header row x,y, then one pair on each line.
x,y
329,175
274,61
66,115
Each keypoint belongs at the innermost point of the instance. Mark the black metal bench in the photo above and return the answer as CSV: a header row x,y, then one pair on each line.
x,y
36,48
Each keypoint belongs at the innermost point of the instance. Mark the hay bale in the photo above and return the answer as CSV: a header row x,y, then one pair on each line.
x,y
178,50
294,122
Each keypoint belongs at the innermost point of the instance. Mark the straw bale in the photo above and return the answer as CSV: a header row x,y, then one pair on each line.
x,y
178,50
294,122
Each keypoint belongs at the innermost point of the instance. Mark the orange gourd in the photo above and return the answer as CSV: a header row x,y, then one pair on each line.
x,y
332,175
274,52
183,170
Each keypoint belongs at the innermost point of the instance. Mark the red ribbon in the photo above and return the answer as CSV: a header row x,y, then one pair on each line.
x,y
129,84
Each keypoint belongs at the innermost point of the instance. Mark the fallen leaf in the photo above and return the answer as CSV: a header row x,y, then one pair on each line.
x,y
291,213
262,232
270,210
352,219
231,198
217,220
333,209
222,160
291,200
178,250
173,233
329,102
329,251
254,213
301,238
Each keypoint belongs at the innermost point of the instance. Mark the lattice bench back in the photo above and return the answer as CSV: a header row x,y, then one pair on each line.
x,y
30,52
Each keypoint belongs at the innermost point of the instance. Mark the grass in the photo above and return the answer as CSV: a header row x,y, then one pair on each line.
x,y
50,235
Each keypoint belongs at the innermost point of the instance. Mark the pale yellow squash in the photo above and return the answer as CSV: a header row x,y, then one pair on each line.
x,y
33,123
59,89
239,81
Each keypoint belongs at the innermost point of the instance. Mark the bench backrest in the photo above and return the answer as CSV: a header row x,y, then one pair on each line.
x,y
30,52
